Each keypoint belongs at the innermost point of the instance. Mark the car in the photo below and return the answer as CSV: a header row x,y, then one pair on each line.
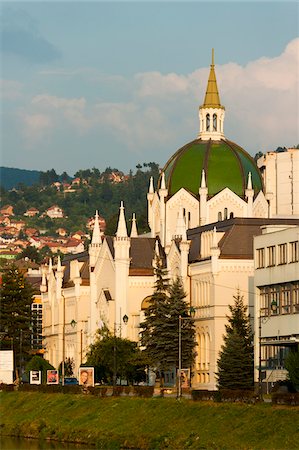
x,y
70,381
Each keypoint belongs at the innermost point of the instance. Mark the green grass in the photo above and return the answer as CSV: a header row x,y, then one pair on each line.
x,y
157,423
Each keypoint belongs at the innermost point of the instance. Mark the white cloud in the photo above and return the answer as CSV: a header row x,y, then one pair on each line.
x,y
261,101
35,126
10,89
58,102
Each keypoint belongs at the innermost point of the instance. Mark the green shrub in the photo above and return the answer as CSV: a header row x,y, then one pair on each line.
x,y
117,391
143,391
285,398
71,389
237,395
203,395
100,391
7,387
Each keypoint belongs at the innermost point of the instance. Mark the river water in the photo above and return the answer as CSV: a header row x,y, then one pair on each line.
x,y
11,443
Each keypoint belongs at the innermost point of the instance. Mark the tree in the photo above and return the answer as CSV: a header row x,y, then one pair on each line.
x,y
292,366
30,252
160,330
15,312
112,356
235,363
69,365
38,363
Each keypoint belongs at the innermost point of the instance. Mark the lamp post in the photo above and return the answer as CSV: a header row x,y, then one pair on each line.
x,y
63,339
181,318
73,323
125,321
264,319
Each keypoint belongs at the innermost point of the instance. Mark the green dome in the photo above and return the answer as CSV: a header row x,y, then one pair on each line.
x,y
225,164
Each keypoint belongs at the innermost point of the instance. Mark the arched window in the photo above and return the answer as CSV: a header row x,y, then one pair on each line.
x,y
215,122
208,122
231,215
219,216
225,213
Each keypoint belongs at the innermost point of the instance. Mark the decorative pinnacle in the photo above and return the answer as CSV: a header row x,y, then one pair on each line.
x,y
122,227
96,234
151,186
134,232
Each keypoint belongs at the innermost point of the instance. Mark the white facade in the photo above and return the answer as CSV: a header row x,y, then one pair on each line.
x,y
276,282
281,178
66,314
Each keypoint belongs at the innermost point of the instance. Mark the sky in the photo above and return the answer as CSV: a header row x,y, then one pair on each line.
x,y
114,84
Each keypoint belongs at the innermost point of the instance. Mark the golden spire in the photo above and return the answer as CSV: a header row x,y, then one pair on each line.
x,y
212,99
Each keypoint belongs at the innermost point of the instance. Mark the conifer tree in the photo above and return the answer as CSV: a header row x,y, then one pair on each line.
x,y
235,363
151,337
15,312
160,330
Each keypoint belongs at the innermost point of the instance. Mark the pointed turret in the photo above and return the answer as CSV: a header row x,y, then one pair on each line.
x,y
96,234
249,193
249,183
58,264
203,196
122,227
134,232
96,243
203,179
122,260
211,112
163,186
212,99
50,266
163,192
151,186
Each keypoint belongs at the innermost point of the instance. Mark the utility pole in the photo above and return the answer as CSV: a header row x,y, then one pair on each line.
x,y
63,340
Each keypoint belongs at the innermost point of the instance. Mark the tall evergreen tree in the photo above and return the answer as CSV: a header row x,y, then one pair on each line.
x,y
160,330
235,363
15,312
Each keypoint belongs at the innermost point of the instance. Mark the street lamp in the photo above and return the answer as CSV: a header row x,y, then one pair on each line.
x,y
264,319
181,318
73,323
125,321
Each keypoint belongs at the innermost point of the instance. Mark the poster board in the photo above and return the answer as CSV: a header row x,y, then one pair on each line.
x,y
185,377
6,366
52,377
35,377
86,376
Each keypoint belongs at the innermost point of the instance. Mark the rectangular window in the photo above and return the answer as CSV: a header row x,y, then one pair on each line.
x,y
274,300
295,297
282,252
294,251
263,302
260,258
285,299
271,256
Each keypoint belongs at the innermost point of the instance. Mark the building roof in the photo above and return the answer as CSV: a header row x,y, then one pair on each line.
x,y
212,99
237,241
225,163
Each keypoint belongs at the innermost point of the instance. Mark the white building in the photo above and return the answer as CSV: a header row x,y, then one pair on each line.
x,y
208,206
276,284
282,165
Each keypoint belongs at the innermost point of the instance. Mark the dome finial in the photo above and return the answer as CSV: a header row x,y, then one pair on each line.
x,y
212,58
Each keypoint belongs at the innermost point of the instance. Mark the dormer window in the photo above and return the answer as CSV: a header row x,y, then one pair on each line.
x,y
214,122
208,122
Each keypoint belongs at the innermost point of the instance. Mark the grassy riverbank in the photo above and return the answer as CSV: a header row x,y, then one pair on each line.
x,y
155,423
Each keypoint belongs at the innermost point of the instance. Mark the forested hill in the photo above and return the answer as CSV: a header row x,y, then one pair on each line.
x,y
10,177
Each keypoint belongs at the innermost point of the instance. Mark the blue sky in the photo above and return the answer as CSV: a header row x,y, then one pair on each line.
x,y
97,84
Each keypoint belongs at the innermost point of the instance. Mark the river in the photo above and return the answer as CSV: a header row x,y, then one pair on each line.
x,y
11,443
